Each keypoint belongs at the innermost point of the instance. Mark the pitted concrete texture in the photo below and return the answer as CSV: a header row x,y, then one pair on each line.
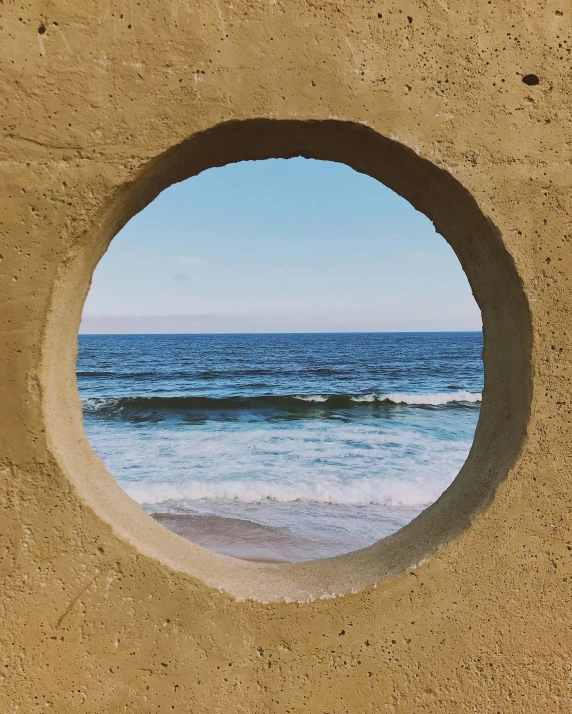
x,y
104,105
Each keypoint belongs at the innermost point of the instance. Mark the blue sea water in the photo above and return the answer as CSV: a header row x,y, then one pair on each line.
x,y
340,438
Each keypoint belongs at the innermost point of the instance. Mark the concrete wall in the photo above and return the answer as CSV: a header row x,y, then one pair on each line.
x,y
103,105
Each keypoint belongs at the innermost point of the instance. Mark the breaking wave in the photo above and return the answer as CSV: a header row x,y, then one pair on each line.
x,y
365,492
289,402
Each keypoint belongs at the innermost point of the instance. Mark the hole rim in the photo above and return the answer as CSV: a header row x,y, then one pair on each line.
x,y
429,189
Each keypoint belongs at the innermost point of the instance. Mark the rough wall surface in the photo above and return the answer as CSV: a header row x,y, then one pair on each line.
x,y
104,104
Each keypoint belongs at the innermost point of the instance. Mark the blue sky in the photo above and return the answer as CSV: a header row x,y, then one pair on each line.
x,y
279,246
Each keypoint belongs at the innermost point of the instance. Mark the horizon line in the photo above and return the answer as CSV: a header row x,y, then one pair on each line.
x,y
296,332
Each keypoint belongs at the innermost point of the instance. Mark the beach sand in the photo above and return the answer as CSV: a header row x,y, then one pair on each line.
x,y
241,538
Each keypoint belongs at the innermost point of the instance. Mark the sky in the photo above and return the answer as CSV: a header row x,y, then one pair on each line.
x,y
280,245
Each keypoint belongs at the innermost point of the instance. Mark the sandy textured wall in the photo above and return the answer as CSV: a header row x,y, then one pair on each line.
x,y
103,105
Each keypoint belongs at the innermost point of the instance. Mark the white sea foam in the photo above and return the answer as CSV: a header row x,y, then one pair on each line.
x,y
367,491
437,399
312,397
369,398
319,462
93,404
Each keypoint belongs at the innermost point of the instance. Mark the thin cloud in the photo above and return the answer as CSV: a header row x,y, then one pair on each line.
x,y
181,277
419,255
189,260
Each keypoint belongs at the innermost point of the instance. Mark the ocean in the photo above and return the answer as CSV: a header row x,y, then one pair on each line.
x,y
282,446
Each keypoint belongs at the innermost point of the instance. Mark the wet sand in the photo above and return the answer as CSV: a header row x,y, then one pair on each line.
x,y
241,538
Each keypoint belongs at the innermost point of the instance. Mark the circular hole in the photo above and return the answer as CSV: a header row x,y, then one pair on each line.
x,y
334,387
531,80
506,356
